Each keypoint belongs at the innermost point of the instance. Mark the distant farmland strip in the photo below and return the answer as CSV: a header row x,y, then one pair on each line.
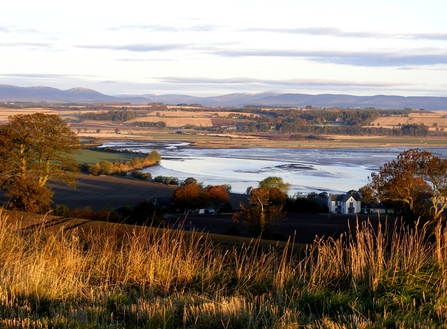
x,y
177,122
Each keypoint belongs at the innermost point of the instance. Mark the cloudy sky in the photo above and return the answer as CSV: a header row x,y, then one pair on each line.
x,y
204,48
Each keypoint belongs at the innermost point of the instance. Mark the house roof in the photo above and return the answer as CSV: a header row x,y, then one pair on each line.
x,y
342,197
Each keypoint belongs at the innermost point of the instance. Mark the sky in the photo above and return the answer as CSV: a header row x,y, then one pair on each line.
x,y
208,48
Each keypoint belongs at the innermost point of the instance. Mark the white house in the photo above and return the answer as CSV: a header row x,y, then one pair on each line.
x,y
344,204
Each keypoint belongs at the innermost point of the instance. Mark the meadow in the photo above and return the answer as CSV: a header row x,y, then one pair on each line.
x,y
114,276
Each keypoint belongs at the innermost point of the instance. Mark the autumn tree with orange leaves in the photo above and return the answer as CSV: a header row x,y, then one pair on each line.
x,y
34,149
218,196
417,179
264,207
190,195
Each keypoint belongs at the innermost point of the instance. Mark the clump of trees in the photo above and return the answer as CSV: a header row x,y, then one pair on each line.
x,y
265,206
167,180
416,182
112,115
108,168
157,124
192,194
141,175
35,148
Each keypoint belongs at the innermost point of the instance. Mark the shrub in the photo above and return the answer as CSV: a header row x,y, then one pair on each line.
x,y
61,210
141,175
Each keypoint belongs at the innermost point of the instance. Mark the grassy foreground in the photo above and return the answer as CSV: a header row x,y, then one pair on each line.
x,y
148,278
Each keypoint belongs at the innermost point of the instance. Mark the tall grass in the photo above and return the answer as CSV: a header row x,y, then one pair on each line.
x,y
150,278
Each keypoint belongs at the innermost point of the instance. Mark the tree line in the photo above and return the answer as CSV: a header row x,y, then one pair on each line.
x,y
403,130
157,124
120,115
105,167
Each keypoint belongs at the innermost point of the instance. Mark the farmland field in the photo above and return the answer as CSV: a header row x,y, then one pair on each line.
x,y
206,120
177,121
433,120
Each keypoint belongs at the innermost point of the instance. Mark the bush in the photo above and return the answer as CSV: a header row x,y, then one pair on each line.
x,y
168,180
141,175
61,210
107,168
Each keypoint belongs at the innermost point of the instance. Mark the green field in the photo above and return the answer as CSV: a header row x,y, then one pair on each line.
x,y
92,157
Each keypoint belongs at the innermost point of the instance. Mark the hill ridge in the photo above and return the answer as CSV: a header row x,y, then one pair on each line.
x,y
10,93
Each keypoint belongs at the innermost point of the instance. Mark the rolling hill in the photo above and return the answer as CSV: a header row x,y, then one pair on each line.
x,y
10,93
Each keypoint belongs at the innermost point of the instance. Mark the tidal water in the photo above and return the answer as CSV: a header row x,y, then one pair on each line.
x,y
307,170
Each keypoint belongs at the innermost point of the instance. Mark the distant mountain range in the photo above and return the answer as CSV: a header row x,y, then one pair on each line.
x,y
10,93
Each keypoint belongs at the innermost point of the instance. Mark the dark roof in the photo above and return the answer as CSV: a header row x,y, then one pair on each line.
x,y
342,197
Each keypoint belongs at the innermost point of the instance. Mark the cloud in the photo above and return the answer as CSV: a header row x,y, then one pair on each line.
x,y
278,83
26,44
215,86
370,59
401,58
169,28
14,29
143,60
336,32
137,47
45,76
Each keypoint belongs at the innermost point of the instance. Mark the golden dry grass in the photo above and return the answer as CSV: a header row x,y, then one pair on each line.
x,y
110,277
429,119
5,113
